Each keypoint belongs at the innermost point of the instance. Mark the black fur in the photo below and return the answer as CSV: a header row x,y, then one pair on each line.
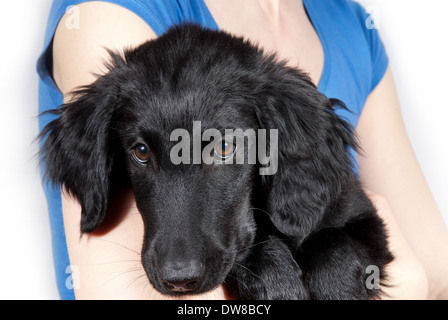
x,y
306,232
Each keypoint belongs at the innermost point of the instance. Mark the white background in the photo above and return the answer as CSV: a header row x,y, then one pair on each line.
x,y
415,34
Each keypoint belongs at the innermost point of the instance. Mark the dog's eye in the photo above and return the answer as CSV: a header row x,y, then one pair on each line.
x,y
141,153
224,149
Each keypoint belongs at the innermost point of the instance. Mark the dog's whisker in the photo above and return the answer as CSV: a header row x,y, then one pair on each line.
x,y
240,282
150,293
262,210
112,262
250,271
136,279
118,244
267,241
147,291
257,244
121,273
153,294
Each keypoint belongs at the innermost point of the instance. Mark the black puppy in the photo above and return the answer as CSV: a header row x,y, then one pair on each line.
x,y
304,231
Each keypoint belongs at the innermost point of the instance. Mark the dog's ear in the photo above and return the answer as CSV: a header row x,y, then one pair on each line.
x,y
314,162
76,149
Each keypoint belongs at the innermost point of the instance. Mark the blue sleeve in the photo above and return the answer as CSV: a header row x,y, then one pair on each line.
x,y
378,55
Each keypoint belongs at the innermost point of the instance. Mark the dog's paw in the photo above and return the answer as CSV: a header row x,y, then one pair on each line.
x,y
269,273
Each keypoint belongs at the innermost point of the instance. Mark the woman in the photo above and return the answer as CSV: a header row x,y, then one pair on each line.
x,y
343,56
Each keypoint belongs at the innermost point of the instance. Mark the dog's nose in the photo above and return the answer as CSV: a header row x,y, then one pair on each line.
x,y
181,276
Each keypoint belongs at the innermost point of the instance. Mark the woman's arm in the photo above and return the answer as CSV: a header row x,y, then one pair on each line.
x,y
79,53
389,167
106,264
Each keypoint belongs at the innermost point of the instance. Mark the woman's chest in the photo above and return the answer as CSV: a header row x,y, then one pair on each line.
x,y
288,32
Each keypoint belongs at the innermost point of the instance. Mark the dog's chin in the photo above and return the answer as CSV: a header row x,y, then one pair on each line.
x,y
198,291
207,286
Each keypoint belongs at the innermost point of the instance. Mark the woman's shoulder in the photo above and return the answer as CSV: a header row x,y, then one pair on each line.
x,y
158,14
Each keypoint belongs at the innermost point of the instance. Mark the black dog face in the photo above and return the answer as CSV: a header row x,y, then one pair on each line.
x,y
199,219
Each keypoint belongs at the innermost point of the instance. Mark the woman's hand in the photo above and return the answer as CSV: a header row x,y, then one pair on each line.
x,y
406,277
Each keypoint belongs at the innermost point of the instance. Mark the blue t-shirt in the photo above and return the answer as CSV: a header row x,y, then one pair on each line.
x,y
355,62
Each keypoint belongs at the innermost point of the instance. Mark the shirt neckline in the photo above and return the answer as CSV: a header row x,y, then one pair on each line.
x,y
315,22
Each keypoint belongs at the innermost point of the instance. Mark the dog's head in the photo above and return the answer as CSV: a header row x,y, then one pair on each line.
x,y
161,115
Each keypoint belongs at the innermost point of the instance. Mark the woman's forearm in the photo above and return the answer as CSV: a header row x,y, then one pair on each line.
x,y
388,166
